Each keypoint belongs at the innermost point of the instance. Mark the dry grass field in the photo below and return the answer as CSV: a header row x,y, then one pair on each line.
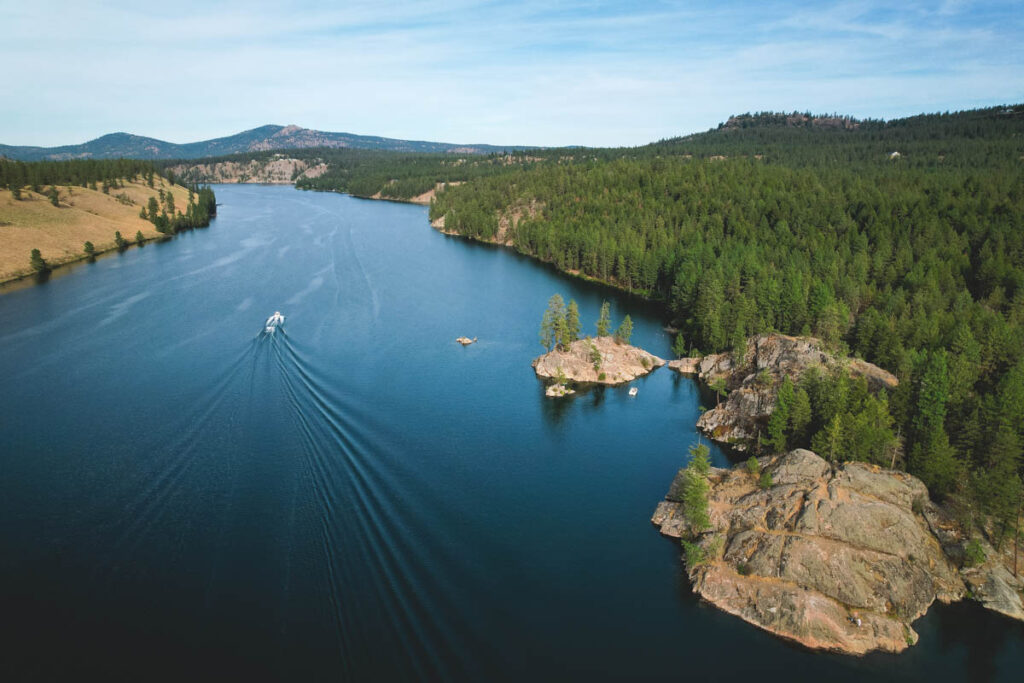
x,y
59,232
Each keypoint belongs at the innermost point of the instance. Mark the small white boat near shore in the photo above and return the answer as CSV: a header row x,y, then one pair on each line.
x,y
633,391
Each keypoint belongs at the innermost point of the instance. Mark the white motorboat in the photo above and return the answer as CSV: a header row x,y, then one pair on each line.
x,y
273,321
633,391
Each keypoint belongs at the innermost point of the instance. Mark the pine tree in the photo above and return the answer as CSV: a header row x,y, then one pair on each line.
x,y
799,419
997,483
139,237
604,320
778,423
38,262
88,248
739,346
679,346
625,331
696,489
572,321
934,462
710,300
552,326
561,331
718,386
828,443
932,457
700,459
964,363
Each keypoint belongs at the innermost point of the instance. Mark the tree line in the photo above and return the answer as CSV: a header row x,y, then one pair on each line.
x,y
200,207
560,325
79,172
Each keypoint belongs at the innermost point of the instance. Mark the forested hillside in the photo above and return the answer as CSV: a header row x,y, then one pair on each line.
x,y
901,242
968,139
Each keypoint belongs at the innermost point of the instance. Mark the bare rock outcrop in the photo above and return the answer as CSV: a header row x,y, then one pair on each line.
x,y
601,360
837,558
993,584
753,382
279,170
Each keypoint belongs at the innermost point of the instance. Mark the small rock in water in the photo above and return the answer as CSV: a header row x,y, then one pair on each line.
x,y
556,390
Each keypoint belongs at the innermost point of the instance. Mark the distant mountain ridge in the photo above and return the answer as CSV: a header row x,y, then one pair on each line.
x,y
126,145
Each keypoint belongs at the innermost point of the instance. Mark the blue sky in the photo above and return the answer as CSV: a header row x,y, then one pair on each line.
x,y
530,72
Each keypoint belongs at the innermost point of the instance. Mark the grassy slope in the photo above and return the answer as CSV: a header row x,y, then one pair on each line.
x,y
83,215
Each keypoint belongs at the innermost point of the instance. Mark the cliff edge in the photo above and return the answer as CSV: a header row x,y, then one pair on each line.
x,y
841,558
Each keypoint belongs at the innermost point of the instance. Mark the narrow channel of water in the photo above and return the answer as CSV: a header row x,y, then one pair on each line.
x,y
356,496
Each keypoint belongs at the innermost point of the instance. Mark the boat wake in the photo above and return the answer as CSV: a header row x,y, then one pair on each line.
x,y
360,483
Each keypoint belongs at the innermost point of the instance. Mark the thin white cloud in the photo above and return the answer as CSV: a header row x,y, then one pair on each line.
x,y
529,72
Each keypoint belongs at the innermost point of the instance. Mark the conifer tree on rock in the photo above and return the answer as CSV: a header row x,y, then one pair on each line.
x,y
604,320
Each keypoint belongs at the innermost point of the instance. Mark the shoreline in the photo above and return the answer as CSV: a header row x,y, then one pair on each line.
x,y
61,228
60,265
641,294
411,200
417,201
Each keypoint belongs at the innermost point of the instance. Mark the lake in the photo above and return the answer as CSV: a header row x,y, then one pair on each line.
x,y
356,496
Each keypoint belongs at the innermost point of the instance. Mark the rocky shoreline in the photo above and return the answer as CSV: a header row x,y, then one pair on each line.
x,y
752,383
841,557
835,556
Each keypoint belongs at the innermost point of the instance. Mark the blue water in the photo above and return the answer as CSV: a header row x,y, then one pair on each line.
x,y
356,497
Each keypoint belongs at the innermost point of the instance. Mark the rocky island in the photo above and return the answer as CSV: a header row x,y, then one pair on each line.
x,y
840,557
598,360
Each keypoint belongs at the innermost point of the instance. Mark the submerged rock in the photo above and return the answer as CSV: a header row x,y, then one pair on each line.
x,y
686,366
753,382
601,360
556,390
817,550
